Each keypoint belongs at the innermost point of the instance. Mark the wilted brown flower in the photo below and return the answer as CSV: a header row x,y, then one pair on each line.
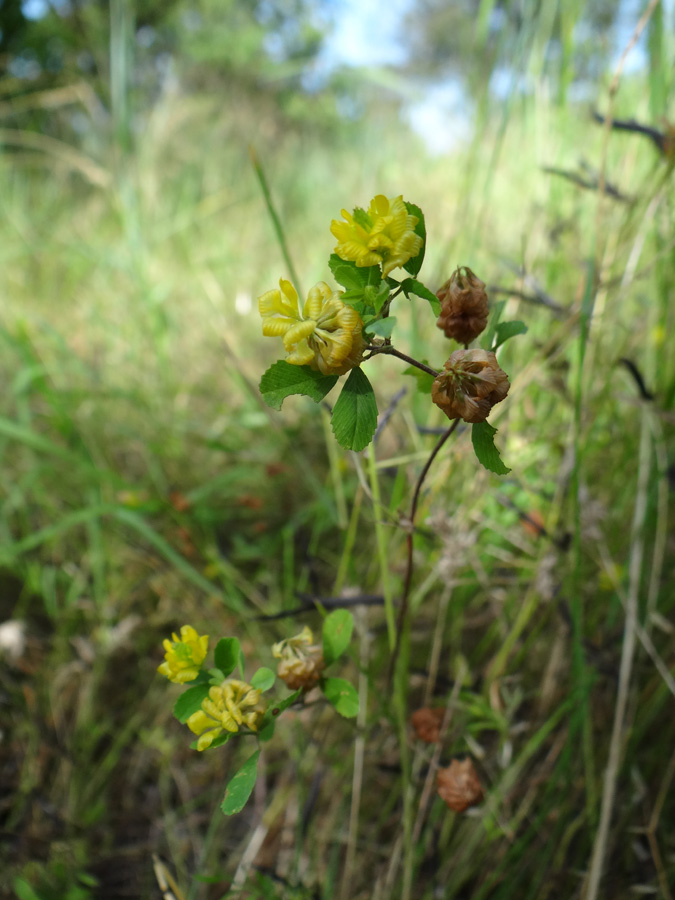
x,y
301,662
470,385
459,786
427,723
464,306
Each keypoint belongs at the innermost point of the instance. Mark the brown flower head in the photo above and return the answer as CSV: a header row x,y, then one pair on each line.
x,y
427,723
458,785
470,385
301,662
464,306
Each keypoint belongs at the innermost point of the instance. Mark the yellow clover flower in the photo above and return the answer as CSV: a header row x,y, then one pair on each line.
x,y
384,234
326,336
228,706
184,655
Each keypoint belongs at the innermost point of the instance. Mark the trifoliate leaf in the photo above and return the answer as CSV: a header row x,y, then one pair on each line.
x,y
354,417
342,695
424,380
226,655
263,679
413,286
337,633
482,438
190,701
415,264
350,276
240,787
282,380
381,327
507,330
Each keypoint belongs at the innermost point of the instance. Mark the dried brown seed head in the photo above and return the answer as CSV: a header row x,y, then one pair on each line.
x,y
459,786
427,723
302,672
464,306
470,385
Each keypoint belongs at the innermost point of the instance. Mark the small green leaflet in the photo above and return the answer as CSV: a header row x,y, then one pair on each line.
x,y
226,655
507,330
423,379
283,379
482,438
263,679
190,701
337,633
240,786
350,276
414,265
377,297
354,417
362,218
342,695
413,286
381,327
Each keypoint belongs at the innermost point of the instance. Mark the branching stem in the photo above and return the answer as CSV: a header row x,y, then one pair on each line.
x,y
403,610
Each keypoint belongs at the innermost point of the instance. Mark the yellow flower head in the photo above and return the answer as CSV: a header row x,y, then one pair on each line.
x,y
184,655
385,234
228,706
301,662
326,336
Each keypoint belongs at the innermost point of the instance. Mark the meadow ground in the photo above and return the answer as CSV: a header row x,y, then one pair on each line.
x,y
146,485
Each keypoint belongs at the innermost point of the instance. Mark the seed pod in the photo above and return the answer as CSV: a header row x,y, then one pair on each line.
x,y
459,786
464,306
427,723
470,385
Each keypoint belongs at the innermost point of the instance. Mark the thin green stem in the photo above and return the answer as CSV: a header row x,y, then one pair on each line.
x,y
276,221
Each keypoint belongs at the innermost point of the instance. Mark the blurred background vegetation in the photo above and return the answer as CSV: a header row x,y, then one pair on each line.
x,y
145,485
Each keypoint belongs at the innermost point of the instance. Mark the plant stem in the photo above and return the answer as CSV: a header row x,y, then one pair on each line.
x,y
392,351
409,539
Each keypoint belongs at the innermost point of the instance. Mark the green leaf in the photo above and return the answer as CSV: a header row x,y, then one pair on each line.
x,y
267,729
377,298
23,890
362,218
337,633
381,327
482,438
351,276
414,265
354,417
226,655
424,380
190,701
342,695
283,379
413,286
216,676
263,679
221,739
506,330
240,786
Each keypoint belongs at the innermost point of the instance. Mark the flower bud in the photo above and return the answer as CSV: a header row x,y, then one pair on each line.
x,y
458,785
470,385
464,306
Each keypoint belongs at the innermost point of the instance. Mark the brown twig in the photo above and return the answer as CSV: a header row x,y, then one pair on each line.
x,y
403,610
